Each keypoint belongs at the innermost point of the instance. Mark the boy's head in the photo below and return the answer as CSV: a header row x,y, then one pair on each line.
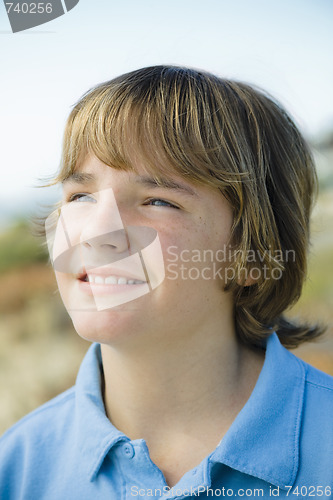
x,y
226,135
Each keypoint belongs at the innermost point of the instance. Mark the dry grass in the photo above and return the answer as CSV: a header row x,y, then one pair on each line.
x,y
39,350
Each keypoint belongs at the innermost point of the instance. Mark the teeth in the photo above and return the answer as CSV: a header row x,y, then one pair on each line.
x,y
122,281
112,280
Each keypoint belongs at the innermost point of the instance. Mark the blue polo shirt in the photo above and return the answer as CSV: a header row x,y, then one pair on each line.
x,y
279,445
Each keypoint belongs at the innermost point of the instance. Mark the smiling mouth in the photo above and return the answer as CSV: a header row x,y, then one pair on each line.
x,y
97,279
94,276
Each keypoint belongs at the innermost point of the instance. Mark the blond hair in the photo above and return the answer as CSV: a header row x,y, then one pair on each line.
x,y
225,134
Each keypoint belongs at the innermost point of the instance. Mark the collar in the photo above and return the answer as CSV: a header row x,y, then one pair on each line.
x,y
263,440
95,434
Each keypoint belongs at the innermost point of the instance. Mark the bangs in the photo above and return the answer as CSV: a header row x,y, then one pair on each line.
x,y
165,127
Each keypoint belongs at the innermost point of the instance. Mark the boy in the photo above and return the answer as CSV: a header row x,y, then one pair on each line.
x,y
181,240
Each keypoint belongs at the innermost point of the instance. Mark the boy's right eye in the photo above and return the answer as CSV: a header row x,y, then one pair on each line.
x,y
81,197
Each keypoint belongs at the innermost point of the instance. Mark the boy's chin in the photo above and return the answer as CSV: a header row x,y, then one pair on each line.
x,y
105,327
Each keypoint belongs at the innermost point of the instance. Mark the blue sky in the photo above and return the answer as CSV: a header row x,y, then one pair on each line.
x,y
284,46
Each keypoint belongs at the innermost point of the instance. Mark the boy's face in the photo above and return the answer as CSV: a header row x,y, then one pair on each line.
x,y
148,257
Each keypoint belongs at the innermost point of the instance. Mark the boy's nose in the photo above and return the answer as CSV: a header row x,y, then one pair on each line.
x,y
104,235
92,231
103,227
115,241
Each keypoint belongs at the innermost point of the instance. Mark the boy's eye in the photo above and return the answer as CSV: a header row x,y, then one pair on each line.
x,y
80,197
157,202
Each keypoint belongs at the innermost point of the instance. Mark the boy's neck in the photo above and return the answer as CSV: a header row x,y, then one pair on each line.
x,y
173,392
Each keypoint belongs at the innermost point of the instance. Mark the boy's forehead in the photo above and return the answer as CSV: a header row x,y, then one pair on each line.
x,y
91,169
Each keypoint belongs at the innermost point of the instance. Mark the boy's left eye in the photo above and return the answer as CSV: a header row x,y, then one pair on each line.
x,y
158,202
80,197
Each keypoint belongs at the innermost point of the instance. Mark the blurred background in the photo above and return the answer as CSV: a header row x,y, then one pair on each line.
x,y
285,47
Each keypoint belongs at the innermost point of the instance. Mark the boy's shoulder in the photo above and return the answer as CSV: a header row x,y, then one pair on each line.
x,y
317,414
318,398
318,390
41,422
316,431
318,379
36,441
318,387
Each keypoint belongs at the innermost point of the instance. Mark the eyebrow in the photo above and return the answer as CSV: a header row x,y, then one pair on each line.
x,y
152,182
80,178
165,183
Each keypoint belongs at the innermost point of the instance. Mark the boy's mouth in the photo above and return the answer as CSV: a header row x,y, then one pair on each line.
x,y
97,279
103,288
108,277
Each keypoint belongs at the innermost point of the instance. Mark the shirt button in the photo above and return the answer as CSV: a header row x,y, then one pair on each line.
x,y
128,450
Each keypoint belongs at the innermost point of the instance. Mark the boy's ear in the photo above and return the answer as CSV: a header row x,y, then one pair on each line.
x,y
248,276
250,281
